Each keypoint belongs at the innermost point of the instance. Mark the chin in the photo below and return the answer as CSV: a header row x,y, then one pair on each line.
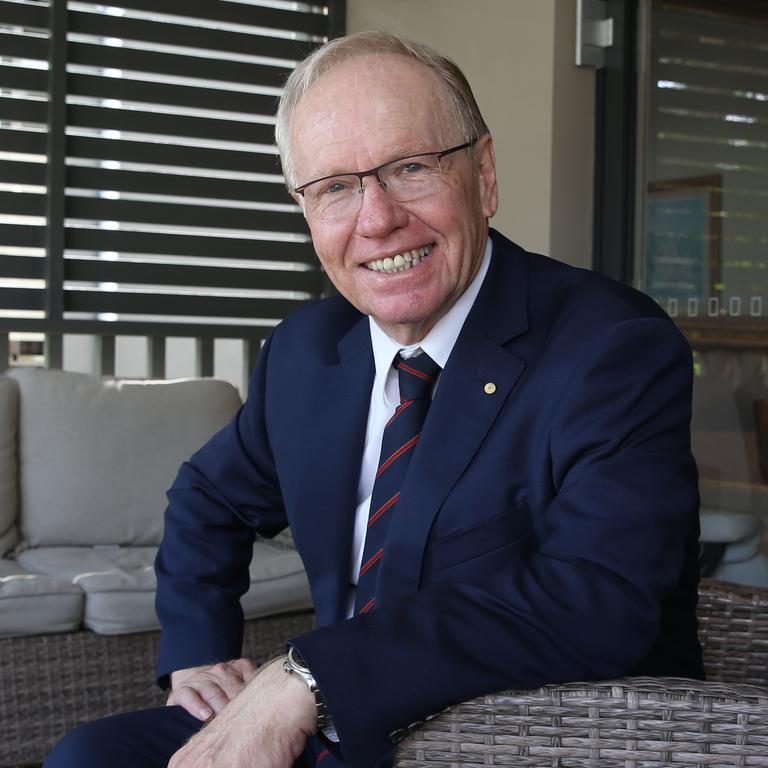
x,y
399,316
405,327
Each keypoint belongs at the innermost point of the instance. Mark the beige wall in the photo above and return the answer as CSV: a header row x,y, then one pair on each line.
x,y
518,55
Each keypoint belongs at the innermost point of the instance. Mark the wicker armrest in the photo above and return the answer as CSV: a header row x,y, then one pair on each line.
x,y
627,722
733,629
653,721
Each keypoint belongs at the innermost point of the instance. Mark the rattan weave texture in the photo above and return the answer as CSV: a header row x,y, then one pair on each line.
x,y
636,722
628,722
733,627
50,683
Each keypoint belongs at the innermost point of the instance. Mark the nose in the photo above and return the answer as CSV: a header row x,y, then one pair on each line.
x,y
379,214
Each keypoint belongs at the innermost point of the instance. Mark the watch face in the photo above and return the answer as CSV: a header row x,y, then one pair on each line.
x,y
296,660
294,663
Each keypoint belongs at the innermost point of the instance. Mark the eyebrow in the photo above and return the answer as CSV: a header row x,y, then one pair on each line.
x,y
401,151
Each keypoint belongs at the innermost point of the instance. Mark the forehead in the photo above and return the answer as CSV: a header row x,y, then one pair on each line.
x,y
369,110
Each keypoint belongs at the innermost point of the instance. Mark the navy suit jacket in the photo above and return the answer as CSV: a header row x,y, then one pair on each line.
x,y
546,532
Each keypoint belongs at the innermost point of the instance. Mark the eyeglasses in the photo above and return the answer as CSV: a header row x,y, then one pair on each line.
x,y
408,178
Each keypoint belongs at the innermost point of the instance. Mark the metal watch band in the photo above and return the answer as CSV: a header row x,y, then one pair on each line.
x,y
294,665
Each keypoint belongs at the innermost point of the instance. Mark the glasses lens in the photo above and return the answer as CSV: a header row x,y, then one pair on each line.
x,y
412,177
408,178
333,198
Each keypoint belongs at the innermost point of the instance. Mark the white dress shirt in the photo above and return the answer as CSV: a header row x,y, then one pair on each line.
x,y
385,397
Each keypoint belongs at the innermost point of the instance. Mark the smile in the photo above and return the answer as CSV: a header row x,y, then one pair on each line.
x,y
401,261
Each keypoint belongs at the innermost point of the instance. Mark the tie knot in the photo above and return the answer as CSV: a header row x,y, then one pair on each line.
x,y
417,376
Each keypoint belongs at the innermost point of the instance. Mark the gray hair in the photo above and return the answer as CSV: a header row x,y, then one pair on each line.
x,y
342,49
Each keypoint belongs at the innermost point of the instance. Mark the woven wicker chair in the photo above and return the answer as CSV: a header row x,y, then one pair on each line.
x,y
51,683
632,722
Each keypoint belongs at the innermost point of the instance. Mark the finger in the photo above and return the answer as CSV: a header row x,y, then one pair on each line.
x,y
191,701
226,676
180,676
211,693
246,667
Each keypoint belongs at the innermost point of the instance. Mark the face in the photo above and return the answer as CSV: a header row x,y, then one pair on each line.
x,y
367,112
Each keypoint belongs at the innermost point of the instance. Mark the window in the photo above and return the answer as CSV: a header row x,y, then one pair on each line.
x,y
684,212
702,230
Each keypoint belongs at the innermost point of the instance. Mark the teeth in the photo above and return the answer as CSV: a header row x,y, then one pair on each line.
x,y
400,262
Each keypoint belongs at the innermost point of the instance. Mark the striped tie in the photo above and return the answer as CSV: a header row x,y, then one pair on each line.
x,y
417,376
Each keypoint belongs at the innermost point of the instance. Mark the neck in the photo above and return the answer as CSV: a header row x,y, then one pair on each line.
x,y
408,333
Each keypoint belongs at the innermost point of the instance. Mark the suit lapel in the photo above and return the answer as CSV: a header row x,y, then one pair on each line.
x,y
462,412
334,442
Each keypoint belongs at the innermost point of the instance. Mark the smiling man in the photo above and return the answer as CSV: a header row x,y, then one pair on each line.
x,y
428,213
483,456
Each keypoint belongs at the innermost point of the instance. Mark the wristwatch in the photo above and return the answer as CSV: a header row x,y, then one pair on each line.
x,y
295,665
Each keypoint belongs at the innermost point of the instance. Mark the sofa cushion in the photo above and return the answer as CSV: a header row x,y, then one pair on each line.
x,y
119,583
96,456
35,603
9,467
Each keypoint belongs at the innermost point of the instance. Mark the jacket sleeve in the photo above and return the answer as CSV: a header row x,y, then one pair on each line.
x,y
225,494
586,603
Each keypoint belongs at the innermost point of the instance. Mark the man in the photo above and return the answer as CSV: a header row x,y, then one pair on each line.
x,y
545,526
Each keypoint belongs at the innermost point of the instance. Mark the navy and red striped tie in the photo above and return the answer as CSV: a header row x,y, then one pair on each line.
x,y
417,376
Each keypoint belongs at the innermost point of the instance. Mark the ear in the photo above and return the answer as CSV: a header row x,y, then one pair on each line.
x,y
485,160
299,200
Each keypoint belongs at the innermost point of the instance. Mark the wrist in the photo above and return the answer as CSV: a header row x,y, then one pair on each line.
x,y
296,667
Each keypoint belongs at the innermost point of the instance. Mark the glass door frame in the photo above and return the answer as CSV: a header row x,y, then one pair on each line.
x,y
620,114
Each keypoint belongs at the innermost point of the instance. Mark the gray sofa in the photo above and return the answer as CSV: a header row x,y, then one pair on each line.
x,y
84,466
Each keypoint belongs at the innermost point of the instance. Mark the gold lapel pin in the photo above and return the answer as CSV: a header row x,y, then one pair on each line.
x,y
489,388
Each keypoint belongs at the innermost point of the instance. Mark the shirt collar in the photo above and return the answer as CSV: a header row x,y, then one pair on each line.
x,y
439,342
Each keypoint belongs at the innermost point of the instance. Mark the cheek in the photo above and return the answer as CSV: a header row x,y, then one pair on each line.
x,y
330,245
450,212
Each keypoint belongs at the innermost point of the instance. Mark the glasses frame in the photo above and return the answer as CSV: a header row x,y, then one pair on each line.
x,y
440,154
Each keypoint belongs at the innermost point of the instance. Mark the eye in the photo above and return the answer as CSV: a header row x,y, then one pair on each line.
x,y
333,187
410,168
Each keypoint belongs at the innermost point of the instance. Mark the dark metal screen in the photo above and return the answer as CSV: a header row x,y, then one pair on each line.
x,y
140,190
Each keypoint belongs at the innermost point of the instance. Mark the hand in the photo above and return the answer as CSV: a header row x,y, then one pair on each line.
x,y
206,690
265,726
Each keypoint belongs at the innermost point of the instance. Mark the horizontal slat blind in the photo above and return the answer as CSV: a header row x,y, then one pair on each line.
x,y
174,209
24,54
706,212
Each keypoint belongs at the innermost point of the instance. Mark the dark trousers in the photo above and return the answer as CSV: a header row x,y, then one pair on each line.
x,y
144,739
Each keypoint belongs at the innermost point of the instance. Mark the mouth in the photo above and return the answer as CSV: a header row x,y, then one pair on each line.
x,y
401,261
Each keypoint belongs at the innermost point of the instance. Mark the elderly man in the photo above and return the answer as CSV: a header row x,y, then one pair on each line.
x,y
483,456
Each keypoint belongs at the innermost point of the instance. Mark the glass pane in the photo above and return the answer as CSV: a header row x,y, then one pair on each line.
x,y
704,251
